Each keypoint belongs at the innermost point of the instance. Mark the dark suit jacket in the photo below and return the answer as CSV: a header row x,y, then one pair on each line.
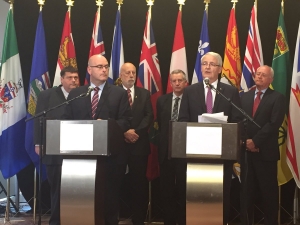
x,y
193,103
47,99
142,117
269,115
163,107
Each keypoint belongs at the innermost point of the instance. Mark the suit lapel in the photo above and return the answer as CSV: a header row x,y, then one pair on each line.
x,y
249,102
169,105
136,98
103,97
88,102
220,88
201,96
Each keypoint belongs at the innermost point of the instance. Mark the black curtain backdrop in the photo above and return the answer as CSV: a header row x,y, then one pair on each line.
x,y
164,14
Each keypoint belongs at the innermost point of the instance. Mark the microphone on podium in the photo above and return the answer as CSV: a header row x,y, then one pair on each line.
x,y
90,89
206,81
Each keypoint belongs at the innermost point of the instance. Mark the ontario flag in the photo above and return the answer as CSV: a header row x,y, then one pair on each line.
x,y
97,43
178,59
253,55
232,70
293,141
39,81
149,78
66,54
117,53
203,48
13,156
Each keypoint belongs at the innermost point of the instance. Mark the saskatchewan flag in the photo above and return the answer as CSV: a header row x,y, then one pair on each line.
x,y
13,156
282,76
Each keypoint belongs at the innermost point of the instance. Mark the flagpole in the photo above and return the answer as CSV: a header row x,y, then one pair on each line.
x,y
181,3
99,3
206,6
119,2
234,3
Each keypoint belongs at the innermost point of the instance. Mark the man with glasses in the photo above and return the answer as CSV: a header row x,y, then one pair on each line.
x,y
199,98
106,101
48,99
172,171
259,159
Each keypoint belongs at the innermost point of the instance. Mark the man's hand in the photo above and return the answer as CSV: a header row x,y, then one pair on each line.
x,y
37,149
250,146
131,136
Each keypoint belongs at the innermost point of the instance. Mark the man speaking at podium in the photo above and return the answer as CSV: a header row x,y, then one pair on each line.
x,y
199,98
46,100
106,102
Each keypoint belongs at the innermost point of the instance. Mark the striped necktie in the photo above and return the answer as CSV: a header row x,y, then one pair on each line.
x,y
129,97
95,101
174,116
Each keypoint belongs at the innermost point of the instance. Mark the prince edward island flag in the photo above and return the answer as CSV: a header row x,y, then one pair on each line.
x,y
13,156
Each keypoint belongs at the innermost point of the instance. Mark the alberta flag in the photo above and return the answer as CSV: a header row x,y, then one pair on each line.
x,y
13,156
39,81
203,48
149,78
97,43
117,54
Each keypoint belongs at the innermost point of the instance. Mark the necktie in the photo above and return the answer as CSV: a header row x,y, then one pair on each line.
x,y
95,101
174,116
129,97
209,107
256,102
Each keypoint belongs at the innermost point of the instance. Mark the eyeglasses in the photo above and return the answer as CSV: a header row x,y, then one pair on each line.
x,y
101,66
209,64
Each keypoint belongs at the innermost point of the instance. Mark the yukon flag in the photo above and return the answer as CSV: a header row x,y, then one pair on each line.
x,y
149,78
253,55
66,54
13,156
293,140
117,54
232,70
39,81
178,59
97,43
282,71
203,48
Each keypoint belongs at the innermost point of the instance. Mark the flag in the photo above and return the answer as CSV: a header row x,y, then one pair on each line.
x,y
13,156
97,43
178,59
282,73
117,54
149,78
253,55
39,81
66,54
293,141
232,71
203,48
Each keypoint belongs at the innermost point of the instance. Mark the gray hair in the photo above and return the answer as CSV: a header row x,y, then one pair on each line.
x,y
216,55
179,71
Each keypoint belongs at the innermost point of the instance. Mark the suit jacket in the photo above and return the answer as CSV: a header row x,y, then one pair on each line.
x,y
47,99
163,107
269,115
193,103
142,117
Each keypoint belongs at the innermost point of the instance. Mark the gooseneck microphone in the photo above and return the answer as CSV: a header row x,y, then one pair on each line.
x,y
90,89
206,81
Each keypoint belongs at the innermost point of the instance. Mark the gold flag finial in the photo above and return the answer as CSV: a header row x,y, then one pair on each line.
x,y
181,2
119,2
150,2
41,2
234,2
99,3
70,3
206,4
11,1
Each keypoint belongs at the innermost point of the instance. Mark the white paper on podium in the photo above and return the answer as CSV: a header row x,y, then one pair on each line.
x,y
204,140
212,118
76,137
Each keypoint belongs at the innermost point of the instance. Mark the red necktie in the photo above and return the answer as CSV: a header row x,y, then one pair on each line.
x,y
256,102
95,102
129,97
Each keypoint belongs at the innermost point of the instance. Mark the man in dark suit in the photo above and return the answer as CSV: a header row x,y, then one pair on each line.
x,y
48,99
198,99
259,159
137,142
106,102
172,171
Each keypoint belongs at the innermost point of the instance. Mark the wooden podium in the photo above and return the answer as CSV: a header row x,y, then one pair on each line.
x,y
205,146
85,144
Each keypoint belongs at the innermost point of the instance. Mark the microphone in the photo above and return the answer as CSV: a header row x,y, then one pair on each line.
x,y
206,81
90,89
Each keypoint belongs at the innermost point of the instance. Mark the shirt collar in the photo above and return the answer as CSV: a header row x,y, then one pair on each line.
x,y
101,86
175,96
66,94
215,83
131,89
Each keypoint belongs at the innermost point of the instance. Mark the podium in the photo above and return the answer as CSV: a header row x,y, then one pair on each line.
x,y
206,147
84,144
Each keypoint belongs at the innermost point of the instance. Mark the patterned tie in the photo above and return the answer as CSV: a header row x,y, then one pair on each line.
x,y
256,102
129,97
209,99
174,116
95,101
